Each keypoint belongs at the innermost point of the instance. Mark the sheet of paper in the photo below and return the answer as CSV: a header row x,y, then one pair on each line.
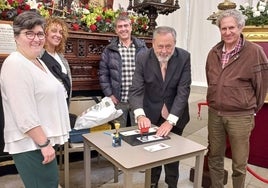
x,y
137,131
8,43
149,138
156,147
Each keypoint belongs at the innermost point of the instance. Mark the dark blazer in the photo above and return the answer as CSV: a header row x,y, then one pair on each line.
x,y
150,92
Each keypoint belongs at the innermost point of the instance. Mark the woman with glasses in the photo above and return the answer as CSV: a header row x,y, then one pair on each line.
x,y
56,32
35,108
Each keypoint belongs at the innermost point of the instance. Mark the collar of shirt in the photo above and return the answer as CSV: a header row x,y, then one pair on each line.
x,y
226,55
121,45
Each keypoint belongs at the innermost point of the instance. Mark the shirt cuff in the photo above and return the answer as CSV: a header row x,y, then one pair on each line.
x,y
138,112
172,118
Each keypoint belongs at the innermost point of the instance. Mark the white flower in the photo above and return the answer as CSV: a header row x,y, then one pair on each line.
x,y
261,8
246,5
256,14
32,4
262,4
254,9
85,11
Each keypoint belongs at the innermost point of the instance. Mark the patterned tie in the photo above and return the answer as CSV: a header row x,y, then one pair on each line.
x,y
164,111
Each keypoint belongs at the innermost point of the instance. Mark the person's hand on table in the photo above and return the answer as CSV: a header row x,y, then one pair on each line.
x,y
164,129
143,122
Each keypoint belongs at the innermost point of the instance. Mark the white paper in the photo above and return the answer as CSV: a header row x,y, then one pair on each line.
x,y
149,138
156,147
7,39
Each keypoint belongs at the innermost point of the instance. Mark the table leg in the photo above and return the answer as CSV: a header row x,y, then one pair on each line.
x,y
128,182
147,178
115,174
87,165
66,165
199,162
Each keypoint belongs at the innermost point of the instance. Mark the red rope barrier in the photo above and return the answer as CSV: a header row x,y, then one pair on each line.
x,y
257,176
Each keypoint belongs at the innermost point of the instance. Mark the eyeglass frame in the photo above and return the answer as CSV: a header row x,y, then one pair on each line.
x,y
31,35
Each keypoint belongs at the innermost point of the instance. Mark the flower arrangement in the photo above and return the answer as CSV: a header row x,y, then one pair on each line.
x,y
9,9
100,19
93,18
86,17
257,16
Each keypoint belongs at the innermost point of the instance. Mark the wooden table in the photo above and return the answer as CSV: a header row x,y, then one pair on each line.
x,y
131,159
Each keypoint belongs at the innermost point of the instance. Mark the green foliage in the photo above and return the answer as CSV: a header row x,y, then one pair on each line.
x,y
257,16
86,17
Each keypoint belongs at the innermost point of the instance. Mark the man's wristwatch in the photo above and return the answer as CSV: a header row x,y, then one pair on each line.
x,y
171,123
45,144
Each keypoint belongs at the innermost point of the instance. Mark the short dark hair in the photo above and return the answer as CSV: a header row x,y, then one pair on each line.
x,y
27,20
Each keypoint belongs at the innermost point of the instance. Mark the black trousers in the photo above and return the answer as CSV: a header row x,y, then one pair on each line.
x,y
171,169
171,174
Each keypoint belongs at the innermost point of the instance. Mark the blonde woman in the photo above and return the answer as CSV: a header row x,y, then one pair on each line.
x,y
56,32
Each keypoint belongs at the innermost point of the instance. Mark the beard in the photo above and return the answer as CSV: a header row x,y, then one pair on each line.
x,y
162,59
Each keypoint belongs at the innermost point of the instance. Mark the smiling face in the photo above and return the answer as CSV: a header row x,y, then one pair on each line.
x,y
54,34
164,45
230,32
30,42
123,29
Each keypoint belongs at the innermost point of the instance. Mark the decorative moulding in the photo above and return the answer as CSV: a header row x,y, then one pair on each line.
x,y
256,34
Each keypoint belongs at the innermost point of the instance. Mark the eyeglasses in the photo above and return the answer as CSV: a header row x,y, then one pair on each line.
x,y
31,35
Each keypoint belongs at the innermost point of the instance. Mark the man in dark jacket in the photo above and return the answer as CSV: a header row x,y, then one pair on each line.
x,y
159,93
117,66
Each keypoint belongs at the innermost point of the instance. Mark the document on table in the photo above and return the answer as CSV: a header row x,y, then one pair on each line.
x,y
150,138
156,147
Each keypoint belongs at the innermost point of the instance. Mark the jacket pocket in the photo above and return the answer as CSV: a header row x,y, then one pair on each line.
x,y
237,98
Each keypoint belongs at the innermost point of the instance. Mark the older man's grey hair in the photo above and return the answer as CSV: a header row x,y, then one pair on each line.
x,y
124,18
237,15
164,30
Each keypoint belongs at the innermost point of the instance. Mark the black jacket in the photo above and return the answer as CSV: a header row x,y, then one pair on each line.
x,y
110,69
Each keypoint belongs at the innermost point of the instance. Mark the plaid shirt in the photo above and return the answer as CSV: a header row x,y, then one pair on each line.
x,y
128,68
227,55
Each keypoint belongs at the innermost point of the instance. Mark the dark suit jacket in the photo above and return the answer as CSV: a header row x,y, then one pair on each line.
x,y
150,92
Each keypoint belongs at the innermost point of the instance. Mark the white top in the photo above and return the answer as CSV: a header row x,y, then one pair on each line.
x,y
31,97
58,59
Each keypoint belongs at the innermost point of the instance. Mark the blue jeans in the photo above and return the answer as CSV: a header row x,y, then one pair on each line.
x,y
238,129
